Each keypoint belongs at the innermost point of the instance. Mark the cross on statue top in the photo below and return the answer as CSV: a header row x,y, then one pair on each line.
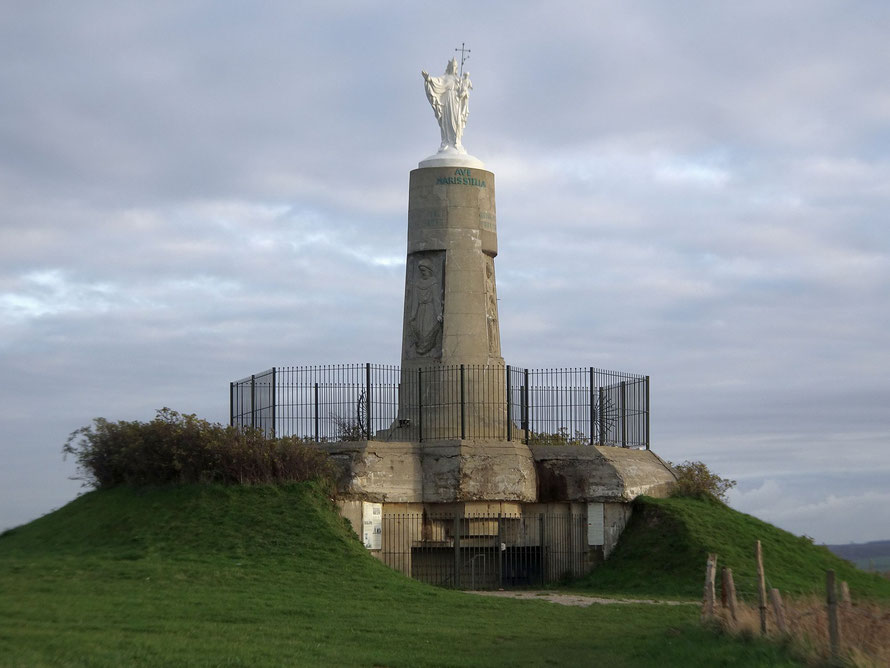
x,y
464,55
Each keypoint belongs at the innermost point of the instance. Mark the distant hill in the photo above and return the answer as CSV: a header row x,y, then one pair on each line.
x,y
664,549
874,555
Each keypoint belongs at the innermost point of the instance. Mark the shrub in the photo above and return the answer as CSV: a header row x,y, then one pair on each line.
x,y
176,448
560,437
696,480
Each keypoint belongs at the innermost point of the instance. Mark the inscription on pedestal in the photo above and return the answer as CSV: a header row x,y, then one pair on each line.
x,y
462,177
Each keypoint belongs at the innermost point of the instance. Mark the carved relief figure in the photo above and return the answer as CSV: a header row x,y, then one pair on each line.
x,y
494,336
449,99
425,310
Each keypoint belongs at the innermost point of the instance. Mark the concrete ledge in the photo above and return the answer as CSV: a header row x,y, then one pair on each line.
x,y
455,471
598,473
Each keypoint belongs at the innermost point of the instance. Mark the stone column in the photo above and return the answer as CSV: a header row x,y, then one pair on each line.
x,y
451,312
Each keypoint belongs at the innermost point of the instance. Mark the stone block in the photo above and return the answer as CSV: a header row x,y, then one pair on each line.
x,y
599,473
446,471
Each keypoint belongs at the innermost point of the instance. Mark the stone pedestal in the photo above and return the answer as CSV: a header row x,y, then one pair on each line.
x,y
444,471
451,311
451,471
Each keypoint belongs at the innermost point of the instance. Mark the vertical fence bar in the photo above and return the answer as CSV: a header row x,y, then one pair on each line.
x,y
463,406
419,405
647,412
456,578
368,400
542,561
231,404
500,553
623,400
509,411
315,411
253,400
602,415
274,396
592,408
525,416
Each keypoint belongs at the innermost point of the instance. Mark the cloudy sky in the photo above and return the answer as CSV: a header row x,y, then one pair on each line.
x,y
194,191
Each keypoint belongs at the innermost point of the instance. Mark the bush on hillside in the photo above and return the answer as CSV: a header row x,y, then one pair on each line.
x,y
695,479
559,437
176,448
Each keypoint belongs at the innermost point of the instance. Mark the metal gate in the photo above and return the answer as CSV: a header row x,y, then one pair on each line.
x,y
486,551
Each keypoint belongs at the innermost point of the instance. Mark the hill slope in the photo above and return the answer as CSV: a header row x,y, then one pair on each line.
x,y
664,548
209,576
213,522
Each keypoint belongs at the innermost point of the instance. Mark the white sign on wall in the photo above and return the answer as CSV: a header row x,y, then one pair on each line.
x,y
595,524
372,525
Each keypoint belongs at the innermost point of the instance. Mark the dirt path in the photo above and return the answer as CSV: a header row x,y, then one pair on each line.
x,y
575,599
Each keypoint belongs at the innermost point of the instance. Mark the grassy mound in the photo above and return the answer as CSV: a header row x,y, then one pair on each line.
x,y
663,550
218,523
206,575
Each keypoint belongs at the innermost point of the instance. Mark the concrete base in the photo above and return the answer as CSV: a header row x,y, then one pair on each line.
x,y
599,473
452,471
446,471
443,506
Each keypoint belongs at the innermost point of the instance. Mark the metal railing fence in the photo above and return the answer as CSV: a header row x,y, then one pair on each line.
x,y
487,551
351,402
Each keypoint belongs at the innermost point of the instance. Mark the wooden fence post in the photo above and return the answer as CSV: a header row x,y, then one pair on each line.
x,y
845,595
707,611
729,585
834,630
761,586
776,599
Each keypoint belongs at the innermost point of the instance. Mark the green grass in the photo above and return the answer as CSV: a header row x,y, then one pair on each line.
x,y
238,576
663,551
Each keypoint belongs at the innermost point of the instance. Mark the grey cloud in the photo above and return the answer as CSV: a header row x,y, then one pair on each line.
x,y
191,193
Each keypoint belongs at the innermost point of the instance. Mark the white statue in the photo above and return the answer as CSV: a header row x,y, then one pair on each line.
x,y
464,97
449,96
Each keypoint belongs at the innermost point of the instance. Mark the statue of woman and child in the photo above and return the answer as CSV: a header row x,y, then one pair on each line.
x,y
449,95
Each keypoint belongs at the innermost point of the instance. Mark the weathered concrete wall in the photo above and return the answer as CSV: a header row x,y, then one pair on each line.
x,y
569,551
435,472
599,473
484,479
452,242
615,518
451,306
489,470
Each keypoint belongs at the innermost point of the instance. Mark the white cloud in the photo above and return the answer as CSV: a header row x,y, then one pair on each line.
x,y
690,172
841,514
50,292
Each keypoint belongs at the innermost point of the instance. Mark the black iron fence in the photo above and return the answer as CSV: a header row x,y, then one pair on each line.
x,y
487,551
574,406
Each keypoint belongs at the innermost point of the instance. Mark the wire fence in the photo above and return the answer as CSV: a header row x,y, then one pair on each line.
x,y
352,402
